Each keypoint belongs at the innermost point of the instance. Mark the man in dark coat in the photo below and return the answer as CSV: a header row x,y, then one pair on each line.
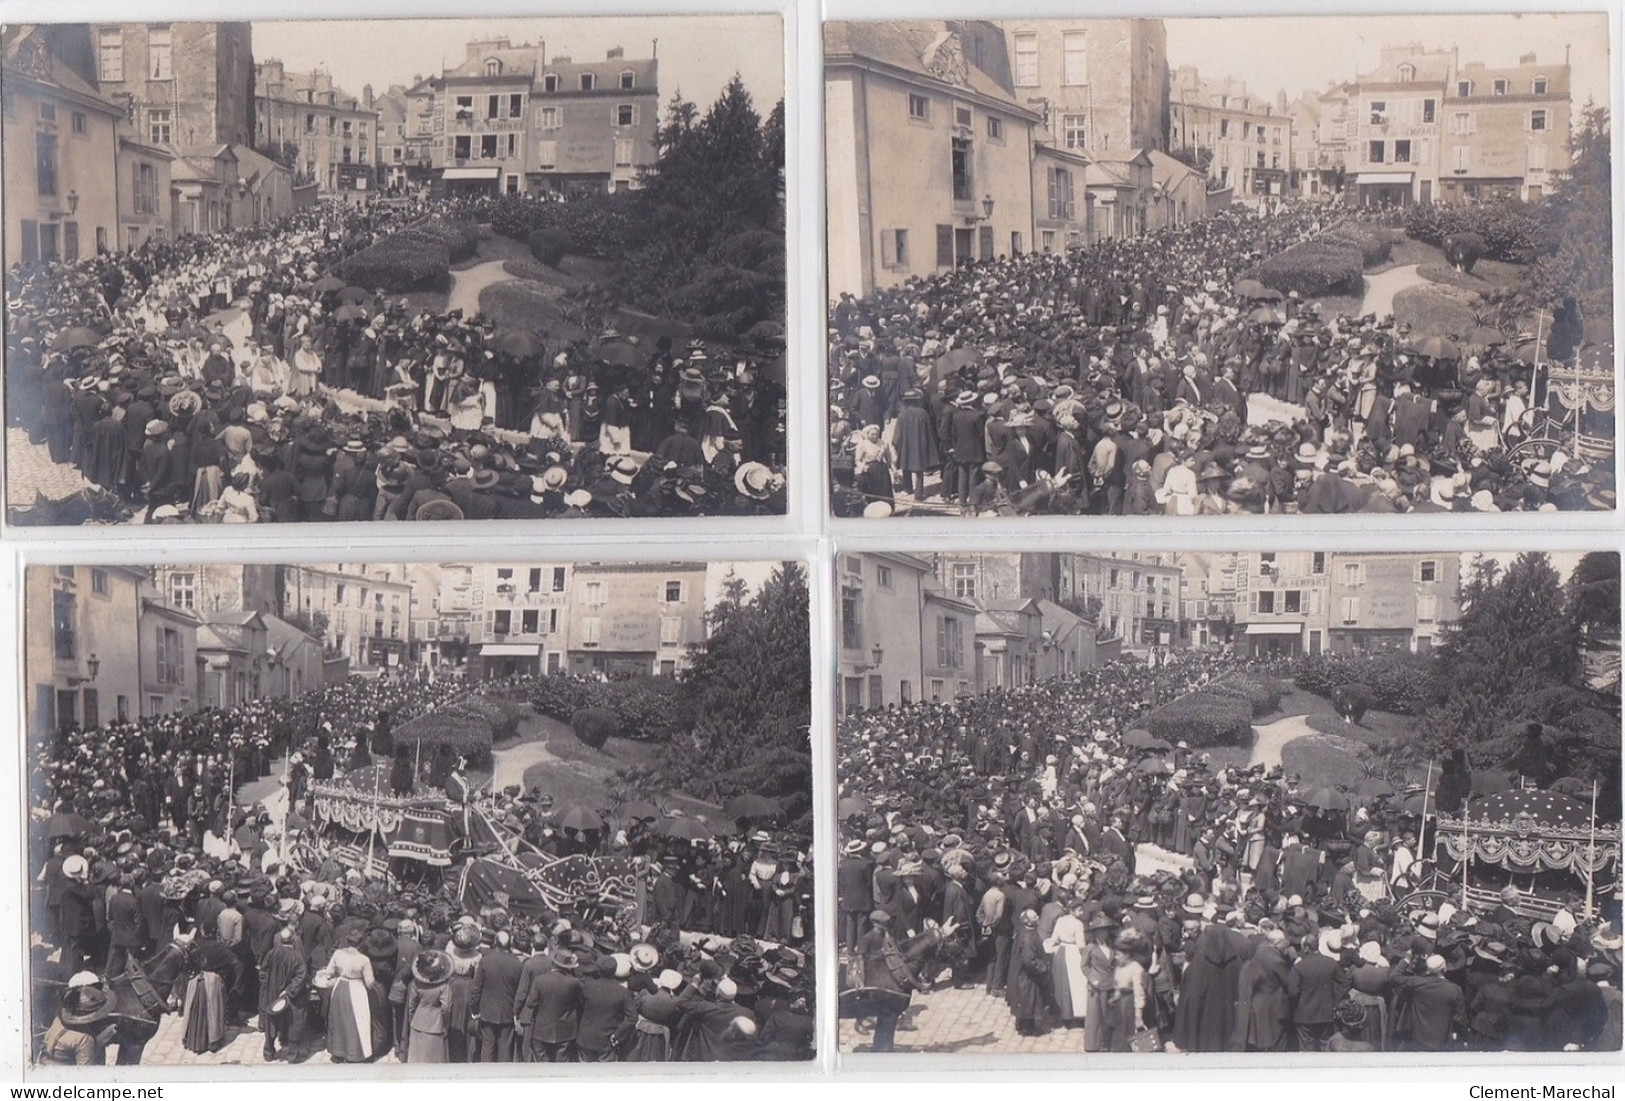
x,y
854,882
1029,976
1263,1005
282,988
1436,1007
552,1009
126,928
1316,985
606,1013
915,443
965,443
719,1029
1204,1018
491,999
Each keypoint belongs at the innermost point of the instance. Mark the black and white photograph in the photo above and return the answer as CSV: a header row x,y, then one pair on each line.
x,y
1242,801
373,813
1214,266
273,272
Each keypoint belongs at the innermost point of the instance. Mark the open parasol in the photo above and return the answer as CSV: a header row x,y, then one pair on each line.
x,y
684,829
65,825
851,806
75,336
1155,765
1266,315
750,806
1139,738
327,284
1325,798
618,353
1483,336
577,817
355,295
1254,291
1436,347
516,343
640,809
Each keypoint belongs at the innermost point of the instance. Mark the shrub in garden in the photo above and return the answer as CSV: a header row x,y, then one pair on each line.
x,y
1202,719
593,726
1375,244
1262,695
549,246
1463,250
399,264
1399,683
1353,700
1510,230
1315,268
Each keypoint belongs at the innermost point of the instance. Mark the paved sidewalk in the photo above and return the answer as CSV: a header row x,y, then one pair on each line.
x,y
243,1048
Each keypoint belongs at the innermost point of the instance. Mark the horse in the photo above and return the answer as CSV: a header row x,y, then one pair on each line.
x,y
140,996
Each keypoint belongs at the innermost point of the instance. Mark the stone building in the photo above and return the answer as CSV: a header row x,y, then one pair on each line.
x,y
1394,131
1392,601
928,151
79,663
332,134
594,123
1098,85
635,618
1506,131
520,620
1240,139
187,84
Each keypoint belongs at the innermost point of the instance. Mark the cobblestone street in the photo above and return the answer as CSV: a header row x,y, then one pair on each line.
x,y
243,1048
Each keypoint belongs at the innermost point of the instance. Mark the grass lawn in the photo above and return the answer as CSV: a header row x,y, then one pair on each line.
x,y
1333,752
1323,759
1436,308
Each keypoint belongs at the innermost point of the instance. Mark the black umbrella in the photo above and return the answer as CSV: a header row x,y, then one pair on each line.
x,y
576,817
76,336
327,284
1325,798
516,343
1436,347
639,809
851,806
620,354
684,829
349,312
356,295
1255,291
750,806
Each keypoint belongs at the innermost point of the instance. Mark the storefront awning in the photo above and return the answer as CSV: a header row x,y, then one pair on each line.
x,y
1383,178
1274,628
489,173
510,650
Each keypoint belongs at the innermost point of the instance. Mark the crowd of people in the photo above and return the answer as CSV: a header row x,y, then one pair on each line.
x,y
1146,375
234,378
160,892
1017,842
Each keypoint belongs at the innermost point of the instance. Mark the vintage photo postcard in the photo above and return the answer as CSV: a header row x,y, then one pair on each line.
x,y
453,269
1255,802
486,812
1193,267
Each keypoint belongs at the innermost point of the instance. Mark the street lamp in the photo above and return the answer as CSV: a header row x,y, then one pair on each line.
x,y
987,205
94,664
73,201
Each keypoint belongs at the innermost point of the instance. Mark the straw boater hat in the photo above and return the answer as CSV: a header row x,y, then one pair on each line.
x,y
753,479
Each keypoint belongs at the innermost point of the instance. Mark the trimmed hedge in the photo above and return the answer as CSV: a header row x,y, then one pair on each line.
x,y
643,707
1399,683
1263,696
1203,719
1510,229
415,259
593,726
549,246
1315,268
1375,244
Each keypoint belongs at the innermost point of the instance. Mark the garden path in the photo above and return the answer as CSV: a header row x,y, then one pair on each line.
x,y
467,284
1381,288
1271,738
509,765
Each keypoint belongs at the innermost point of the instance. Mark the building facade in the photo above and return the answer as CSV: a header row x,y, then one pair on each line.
x,y
146,207
1392,601
626,618
1506,131
1282,602
61,148
484,111
1394,131
882,624
1138,594
1239,139
594,124
1009,640
1098,85
80,666
948,654
520,620
367,611
330,136
186,84
928,151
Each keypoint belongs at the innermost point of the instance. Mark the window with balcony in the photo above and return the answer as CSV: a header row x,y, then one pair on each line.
x,y
463,108
158,54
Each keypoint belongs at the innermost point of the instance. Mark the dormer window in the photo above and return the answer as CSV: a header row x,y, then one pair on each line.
x,y
493,66
1407,73
629,80
1464,88
550,82
1539,86
1500,87
588,82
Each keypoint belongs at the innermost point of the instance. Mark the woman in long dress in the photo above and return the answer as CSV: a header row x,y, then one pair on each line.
x,y
1066,945
349,977
1126,1013
424,1040
1099,972
307,368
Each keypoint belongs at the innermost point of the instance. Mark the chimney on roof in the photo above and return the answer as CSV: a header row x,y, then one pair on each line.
x,y
1526,59
617,52
366,96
